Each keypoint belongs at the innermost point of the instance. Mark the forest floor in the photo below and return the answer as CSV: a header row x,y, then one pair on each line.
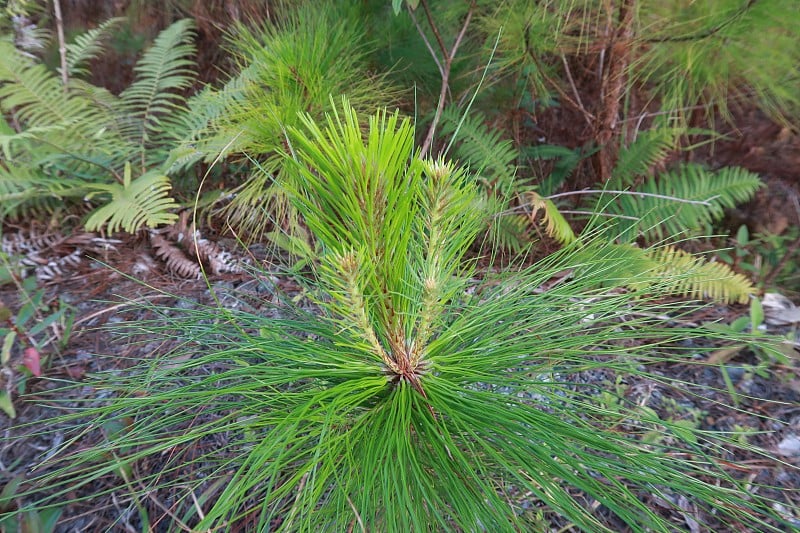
x,y
769,408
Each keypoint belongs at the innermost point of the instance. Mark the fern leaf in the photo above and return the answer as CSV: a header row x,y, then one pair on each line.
x,y
65,120
87,46
492,160
162,72
505,230
134,203
567,161
667,212
615,264
196,133
555,224
638,157
205,108
34,93
24,189
484,150
684,274
671,270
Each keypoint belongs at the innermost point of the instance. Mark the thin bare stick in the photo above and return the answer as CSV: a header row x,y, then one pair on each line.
x,y
600,214
524,208
425,40
588,116
62,45
358,516
435,28
574,88
634,193
445,76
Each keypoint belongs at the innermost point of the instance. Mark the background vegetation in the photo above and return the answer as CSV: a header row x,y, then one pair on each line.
x,y
538,138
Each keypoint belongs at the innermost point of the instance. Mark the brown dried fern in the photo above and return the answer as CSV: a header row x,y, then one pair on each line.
x,y
175,259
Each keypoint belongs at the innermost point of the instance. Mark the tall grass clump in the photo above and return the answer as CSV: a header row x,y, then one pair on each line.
x,y
411,394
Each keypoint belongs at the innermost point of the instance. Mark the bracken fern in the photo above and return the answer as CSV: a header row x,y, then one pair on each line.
x,y
77,141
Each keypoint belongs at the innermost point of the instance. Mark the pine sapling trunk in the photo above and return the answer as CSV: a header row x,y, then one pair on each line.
x,y
618,52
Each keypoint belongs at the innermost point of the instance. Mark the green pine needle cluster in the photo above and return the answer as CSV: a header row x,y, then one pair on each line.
x,y
286,68
707,53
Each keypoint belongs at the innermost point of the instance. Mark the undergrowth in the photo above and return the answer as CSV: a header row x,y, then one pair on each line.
x,y
399,393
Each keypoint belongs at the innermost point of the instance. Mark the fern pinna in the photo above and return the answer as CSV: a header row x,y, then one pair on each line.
x,y
684,202
80,141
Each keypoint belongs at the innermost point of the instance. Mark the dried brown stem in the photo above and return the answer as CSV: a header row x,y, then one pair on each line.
x,y
62,45
588,116
434,28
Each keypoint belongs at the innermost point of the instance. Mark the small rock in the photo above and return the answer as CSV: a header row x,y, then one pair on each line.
x,y
790,445
735,373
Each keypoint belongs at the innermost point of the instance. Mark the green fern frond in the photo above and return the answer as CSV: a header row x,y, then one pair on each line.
x,y
666,270
205,108
508,231
616,264
87,46
566,161
668,212
48,115
636,159
34,93
79,137
684,274
492,161
24,188
134,203
198,134
10,144
487,154
556,225
162,72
